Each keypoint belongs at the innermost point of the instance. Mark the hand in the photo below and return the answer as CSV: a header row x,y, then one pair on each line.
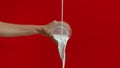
x,y
46,29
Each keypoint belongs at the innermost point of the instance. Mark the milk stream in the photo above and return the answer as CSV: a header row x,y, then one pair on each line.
x,y
62,42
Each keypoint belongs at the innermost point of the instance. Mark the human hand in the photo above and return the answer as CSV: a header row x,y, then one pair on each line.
x,y
46,29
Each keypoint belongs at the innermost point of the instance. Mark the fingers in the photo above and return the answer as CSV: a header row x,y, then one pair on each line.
x,y
53,24
62,23
65,24
47,29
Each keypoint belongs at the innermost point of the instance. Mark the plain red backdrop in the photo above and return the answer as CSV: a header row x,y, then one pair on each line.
x,y
95,42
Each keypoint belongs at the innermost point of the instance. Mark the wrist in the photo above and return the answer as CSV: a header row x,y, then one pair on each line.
x,y
33,28
39,29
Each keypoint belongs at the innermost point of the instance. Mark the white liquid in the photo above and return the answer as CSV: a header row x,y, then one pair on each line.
x,y
62,42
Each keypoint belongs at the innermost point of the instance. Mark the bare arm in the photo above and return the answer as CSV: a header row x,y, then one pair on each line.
x,y
10,30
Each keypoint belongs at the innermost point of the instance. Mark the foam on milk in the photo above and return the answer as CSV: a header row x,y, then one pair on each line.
x,y
62,42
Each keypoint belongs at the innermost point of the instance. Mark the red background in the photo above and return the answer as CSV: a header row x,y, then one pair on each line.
x,y
95,42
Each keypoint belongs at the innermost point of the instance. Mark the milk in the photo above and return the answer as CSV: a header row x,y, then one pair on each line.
x,y
62,42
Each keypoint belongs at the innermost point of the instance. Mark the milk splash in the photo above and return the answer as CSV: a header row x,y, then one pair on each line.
x,y
62,42
61,34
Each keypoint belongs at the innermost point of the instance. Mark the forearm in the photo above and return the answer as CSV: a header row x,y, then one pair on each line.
x,y
10,30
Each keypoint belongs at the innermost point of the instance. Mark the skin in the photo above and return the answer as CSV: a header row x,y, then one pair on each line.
x,y
13,30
